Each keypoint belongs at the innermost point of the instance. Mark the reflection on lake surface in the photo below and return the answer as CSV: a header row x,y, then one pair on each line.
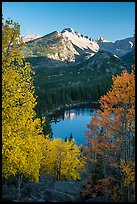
x,y
73,121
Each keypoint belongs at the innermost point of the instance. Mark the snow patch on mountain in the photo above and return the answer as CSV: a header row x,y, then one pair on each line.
x,y
80,41
131,44
102,40
116,56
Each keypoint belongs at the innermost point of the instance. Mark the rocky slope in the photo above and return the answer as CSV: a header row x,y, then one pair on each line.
x,y
81,43
119,47
49,190
69,47
106,62
129,57
28,38
54,47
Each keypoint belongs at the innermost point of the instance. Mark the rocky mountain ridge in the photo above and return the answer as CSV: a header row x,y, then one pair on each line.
x,y
28,38
70,46
71,68
81,43
119,47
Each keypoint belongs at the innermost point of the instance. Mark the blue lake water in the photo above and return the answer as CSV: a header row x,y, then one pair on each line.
x,y
73,121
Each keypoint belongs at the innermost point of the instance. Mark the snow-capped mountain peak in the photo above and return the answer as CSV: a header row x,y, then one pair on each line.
x,y
100,39
68,29
71,46
80,41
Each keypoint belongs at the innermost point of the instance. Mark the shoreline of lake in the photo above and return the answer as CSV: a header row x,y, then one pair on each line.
x,y
93,105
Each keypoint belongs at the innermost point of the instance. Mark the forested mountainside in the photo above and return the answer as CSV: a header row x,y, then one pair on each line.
x,y
72,68
83,82
129,57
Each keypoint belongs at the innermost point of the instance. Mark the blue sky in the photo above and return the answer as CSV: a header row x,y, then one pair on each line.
x,y
111,20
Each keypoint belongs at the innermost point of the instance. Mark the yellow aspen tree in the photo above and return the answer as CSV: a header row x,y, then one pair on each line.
x,y
21,130
63,160
74,161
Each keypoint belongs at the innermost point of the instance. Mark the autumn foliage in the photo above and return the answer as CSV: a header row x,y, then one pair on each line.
x,y
110,140
21,129
26,152
63,160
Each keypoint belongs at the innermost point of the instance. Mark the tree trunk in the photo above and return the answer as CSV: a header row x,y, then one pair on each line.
x,y
122,192
20,176
104,168
129,192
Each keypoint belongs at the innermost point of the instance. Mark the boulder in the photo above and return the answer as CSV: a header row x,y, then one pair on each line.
x,y
46,181
32,199
73,188
9,193
51,195
35,189
31,188
5,189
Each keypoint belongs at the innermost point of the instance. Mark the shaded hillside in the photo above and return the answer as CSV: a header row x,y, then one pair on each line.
x,y
84,82
129,57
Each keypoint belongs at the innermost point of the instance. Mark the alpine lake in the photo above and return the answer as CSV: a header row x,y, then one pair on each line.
x,y
72,122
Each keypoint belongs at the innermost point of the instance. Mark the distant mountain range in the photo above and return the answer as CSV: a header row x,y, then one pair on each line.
x,y
70,47
70,67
